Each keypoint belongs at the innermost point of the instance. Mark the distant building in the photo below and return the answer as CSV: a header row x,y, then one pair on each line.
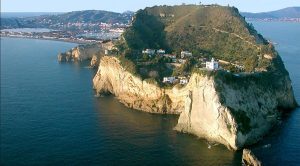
x,y
185,54
183,80
162,15
212,65
181,61
173,57
106,52
149,51
170,56
160,51
170,80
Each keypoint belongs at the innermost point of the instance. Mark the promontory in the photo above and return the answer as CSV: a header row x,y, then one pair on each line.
x,y
204,62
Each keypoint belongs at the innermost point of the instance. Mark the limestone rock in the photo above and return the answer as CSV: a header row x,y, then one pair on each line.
x,y
235,113
81,53
131,90
61,57
94,61
249,159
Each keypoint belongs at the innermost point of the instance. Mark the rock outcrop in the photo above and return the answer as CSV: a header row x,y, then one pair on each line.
x,y
249,159
232,110
94,61
134,92
81,53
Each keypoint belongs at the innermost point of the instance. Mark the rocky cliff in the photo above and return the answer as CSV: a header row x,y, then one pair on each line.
x,y
249,159
81,53
134,92
235,110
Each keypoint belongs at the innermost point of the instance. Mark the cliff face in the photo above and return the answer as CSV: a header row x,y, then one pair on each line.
x,y
81,53
250,159
234,113
132,91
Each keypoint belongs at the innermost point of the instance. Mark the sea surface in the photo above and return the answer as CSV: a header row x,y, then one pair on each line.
x,y
27,30
282,145
49,115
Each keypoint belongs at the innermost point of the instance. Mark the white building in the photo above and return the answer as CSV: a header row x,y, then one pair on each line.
x,y
212,65
182,61
183,80
170,80
170,56
161,51
162,15
148,51
106,52
185,54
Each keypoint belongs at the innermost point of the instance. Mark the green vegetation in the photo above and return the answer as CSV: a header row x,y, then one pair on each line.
x,y
147,31
242,120
206,31
128,65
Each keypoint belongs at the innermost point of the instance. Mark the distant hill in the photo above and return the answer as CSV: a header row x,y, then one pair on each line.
x,y
291,12
50,21
26,14
89,16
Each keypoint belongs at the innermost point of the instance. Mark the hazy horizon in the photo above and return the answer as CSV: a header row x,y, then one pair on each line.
x,y
57,6
59,12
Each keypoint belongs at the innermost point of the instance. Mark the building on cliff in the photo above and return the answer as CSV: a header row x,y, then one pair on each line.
x,y
170,80
161,51
149,51
212,65
106,52
183,80
185,54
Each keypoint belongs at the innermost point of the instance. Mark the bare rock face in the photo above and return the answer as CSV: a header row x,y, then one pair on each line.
x,y
85,52
235,112
61,57
132,91
94,61
249,159
81,53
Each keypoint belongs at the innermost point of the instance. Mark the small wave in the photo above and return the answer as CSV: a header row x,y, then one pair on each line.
x,y
267,146
209,146
98,95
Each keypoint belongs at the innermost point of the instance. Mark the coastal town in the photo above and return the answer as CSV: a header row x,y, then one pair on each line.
x,y
104,31
78,26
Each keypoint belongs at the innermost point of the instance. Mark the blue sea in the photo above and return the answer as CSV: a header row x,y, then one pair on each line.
x,y
49,115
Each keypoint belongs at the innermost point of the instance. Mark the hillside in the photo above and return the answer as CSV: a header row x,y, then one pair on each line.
x,y
52,21
206,31
290,12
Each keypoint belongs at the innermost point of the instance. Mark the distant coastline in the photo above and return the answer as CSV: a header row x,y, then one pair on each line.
x,y
296,20
290,14
50,39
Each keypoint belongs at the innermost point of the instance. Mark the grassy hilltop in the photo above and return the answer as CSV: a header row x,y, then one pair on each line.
x,y
206,31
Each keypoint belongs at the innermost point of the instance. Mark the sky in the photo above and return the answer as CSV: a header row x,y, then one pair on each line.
x,y
134,5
